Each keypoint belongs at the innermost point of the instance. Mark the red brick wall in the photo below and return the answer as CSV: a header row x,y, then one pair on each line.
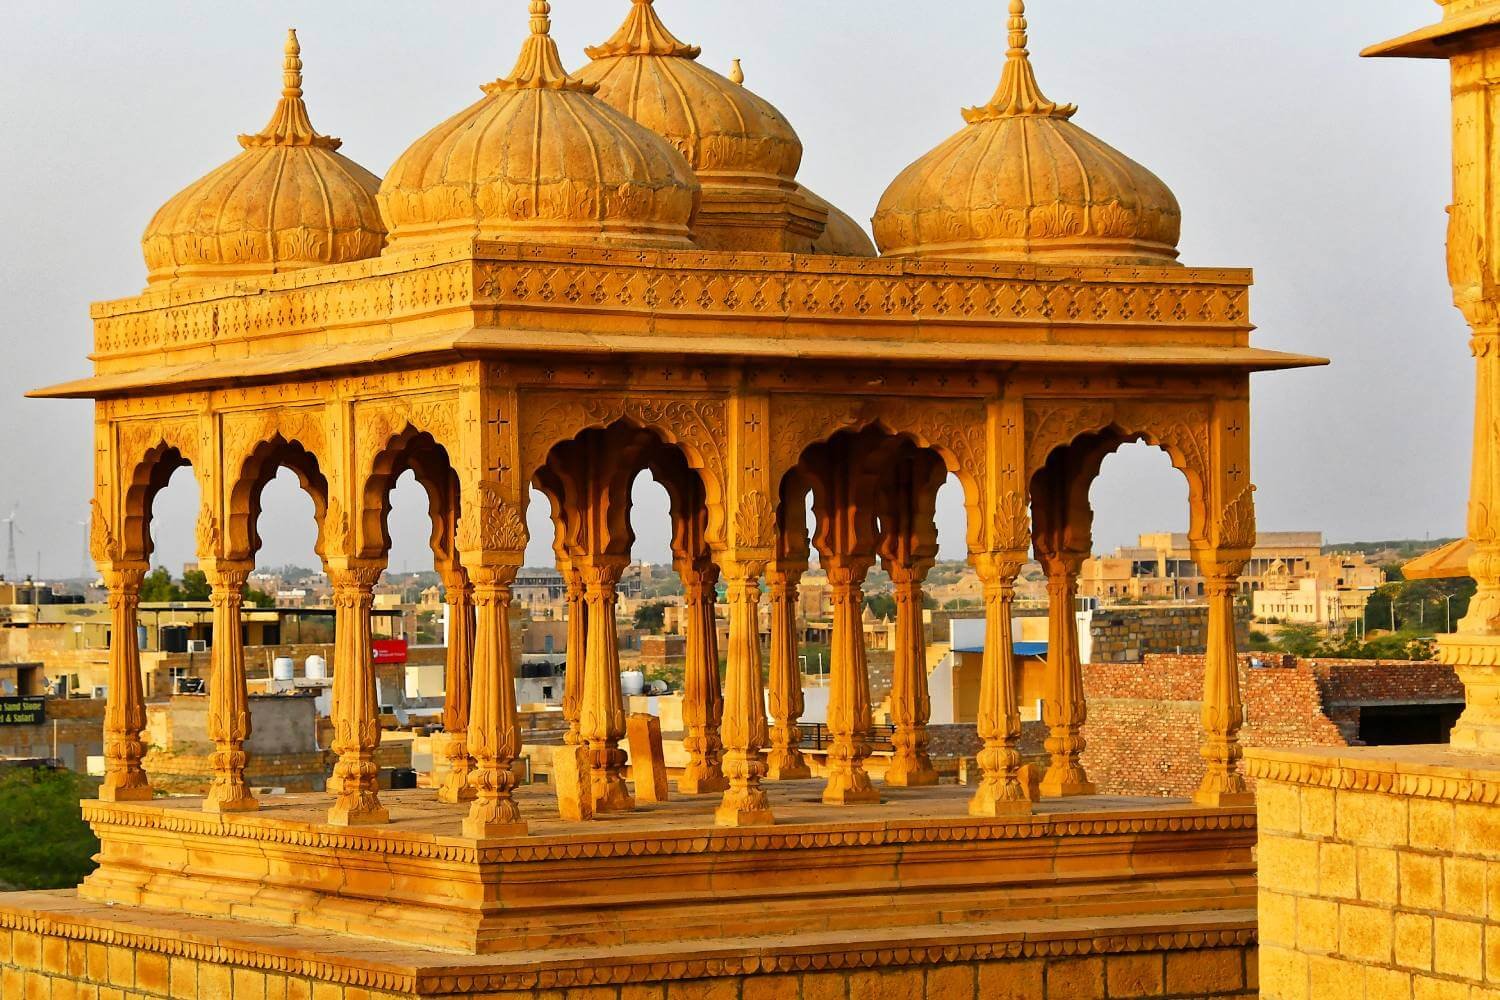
x,y
1143,730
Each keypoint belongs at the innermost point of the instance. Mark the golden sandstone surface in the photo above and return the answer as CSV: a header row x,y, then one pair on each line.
x,y
596,273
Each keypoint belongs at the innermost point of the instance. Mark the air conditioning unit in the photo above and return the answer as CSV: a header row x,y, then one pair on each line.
x,y
197,646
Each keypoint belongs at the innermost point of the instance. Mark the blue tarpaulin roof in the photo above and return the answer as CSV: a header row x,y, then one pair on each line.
x,y
1021,648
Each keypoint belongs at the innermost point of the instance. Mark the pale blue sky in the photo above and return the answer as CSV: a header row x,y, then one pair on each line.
x,y
1326,173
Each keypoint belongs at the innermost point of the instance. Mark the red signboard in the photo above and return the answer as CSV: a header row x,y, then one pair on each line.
x,y
389,650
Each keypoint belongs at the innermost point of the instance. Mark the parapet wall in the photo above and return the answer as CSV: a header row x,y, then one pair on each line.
x,y
1377,869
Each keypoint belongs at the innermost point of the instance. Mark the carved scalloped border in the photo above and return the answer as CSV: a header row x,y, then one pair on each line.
x,y
757,962
1346,776
959,830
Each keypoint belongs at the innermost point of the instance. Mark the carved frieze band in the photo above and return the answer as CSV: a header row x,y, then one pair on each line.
x,y
1349,776
368,973
718,286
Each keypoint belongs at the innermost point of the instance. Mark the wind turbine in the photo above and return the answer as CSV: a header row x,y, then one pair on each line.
x,y
12,570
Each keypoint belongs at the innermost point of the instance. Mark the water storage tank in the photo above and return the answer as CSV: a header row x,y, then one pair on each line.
x,y
632,682
283,668
317,668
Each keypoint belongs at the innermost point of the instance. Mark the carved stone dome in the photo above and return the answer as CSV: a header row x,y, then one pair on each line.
x,y
744,152
541,159
1022,182
288,201
721,128
843,237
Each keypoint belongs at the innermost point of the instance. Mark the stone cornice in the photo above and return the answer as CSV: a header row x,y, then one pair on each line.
x,y
434,299
409,971
1424,772
262,828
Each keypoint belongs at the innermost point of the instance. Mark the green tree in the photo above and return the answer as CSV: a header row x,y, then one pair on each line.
x,y
44,842
881,605
257,598
651,617
1299,640
195,585
158,587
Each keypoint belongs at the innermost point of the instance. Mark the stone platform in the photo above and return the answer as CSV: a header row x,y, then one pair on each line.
x,y
1155,896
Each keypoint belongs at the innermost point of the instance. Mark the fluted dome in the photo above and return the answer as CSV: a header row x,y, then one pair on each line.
x,y
743,151
1022,182
843,237
288,201
719,126
541,159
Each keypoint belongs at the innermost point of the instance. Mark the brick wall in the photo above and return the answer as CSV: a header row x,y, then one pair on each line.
x,y
1143,729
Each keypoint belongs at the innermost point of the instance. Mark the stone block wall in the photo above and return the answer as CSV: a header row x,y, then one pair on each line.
x,y
1379,872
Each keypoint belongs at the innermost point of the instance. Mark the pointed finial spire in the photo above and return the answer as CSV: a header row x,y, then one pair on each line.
x,y
643,34
540,65
289,124
737,73
1018,93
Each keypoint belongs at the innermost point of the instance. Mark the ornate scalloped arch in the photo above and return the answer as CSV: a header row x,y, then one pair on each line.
x,y
290,437
1181,428
385,433
957,430
696,425
150,452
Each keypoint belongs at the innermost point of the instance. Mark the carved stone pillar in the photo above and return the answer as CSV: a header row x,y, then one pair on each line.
x,y
702,700
1064,709
1223,710
125,706
744,726
602,715
228,701
849,689
577,655
494,739
458,667
785,762
911,704
356,718
1000,790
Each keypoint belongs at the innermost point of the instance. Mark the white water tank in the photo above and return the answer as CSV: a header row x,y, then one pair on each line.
x,y
316,668
283,668
632,682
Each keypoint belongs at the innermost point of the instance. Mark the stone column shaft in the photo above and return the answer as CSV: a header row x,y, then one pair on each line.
x,y
356,716
458,670
229,704
1064,709
849,694
702,700
911,703
494,739
125,707
785,762
602,713
1223,710
744,726
577,654
1000,791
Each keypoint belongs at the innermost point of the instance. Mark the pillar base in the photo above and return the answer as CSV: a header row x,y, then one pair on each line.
x,y
916,776
1476,659
987,803
129,793
483,830
700,779
784,768
456,788
612,795
348,816
734,816
844,790
1061,788
1223,800
242,804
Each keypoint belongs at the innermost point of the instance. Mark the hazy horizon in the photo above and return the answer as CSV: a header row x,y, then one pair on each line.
x,y
1325,173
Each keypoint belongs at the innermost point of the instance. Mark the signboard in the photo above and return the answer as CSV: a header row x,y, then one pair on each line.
x,y
388,650
27,711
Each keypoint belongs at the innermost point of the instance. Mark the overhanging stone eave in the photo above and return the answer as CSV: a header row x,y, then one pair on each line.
x,y
489,342
1449,37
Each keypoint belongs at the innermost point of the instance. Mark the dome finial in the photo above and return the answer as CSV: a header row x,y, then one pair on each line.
x,y
1019,93
737,73
289,124
540,64
643,34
